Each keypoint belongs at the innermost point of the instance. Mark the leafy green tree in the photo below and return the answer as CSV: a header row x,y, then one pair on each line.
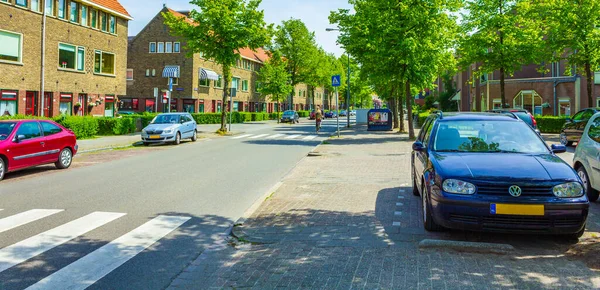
x,y
449,91
274,79
573,34
500,35
297,45
219,29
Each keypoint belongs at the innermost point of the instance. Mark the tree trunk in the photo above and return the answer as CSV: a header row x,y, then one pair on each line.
x,y
590,84
292,99
411,130
400,112
502,93
392,103
277,110
226,76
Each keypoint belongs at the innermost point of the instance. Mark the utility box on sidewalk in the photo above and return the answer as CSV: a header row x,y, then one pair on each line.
x,y
380,120
362,116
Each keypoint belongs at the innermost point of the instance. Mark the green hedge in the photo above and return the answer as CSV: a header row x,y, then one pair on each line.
x,y
304,114
550,124
83,127
115,126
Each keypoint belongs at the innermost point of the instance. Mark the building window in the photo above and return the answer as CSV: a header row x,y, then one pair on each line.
x,y
201,107
564,107
35,5
84,13
22,3
204,82
129,74
113,24
598,102
256,87
62,9
104,21
149,105
50,7
11,48
219,82
176,47
245,85
235,83
168,47
153,72
109,106
65,106
497,103
188,106
70,56
104,62
161,47
93,18
8,103
152,48
175,81
74,15
147,72
129,104
597,78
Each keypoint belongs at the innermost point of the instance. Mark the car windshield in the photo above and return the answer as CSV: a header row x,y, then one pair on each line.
x,y
166,119
6,129
488,136
288,113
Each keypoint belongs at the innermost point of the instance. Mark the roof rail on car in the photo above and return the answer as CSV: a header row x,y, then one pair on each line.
x,y
506,112
440,113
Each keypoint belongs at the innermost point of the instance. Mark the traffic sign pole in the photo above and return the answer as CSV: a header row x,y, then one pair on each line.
x,y
335,82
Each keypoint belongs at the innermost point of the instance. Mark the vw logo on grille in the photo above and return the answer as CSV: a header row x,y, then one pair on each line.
x,y
514,191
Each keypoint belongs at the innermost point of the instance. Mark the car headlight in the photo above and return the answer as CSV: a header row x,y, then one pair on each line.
x,y
570,189
143,131
458,186
168,131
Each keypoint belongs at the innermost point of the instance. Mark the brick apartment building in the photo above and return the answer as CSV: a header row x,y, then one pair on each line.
x,y
83,52
550,93
155,55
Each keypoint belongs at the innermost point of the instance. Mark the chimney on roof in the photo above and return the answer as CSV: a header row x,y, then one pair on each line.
x,y
164,5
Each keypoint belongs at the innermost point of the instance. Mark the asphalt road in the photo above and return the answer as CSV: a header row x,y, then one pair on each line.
x,y
135,223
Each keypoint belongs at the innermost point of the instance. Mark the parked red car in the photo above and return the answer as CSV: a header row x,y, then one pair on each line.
x,y
28,143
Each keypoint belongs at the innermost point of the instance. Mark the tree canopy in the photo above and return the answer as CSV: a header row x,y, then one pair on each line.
x,y
274,79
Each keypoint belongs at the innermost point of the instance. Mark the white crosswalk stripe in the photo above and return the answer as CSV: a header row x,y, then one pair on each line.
x,y
274,136
309,137
20,219
258,136
33,246
91,268
292,136
242,136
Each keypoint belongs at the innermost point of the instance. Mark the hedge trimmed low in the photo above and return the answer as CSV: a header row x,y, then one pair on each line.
x,y
550,124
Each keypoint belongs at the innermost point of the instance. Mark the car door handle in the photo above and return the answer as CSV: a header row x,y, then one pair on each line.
x,y
42,143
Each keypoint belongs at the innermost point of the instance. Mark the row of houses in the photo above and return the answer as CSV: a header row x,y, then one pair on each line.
x,y
75,58
546,91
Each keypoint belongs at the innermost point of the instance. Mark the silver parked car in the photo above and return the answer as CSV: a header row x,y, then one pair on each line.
x,y
587,158
170,127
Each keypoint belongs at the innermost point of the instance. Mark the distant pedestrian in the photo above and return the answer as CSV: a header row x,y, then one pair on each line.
x,y
318,116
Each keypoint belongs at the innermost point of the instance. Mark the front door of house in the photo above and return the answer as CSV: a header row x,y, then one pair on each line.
x,y
31,103
81,101
47,104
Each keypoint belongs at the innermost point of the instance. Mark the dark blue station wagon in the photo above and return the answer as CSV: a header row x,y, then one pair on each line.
x,y
492,172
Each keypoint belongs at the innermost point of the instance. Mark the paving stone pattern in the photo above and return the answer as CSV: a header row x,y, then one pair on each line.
x,y
334,224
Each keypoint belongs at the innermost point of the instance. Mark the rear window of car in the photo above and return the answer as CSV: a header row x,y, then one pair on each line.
x,y
6,129
525,117
594,131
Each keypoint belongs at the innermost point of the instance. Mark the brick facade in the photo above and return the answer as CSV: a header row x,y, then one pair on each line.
x,y
85,85
189,93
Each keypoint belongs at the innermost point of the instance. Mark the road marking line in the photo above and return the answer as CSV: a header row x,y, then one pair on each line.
x,y
31,247
91,268
274,136
243,136
399,204
402,190
292,136
397,213
400,196
26,217
309,137
258,136
396,224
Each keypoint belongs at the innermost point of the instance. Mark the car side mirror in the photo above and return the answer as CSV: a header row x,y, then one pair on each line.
x,y
418,146
558,148
19,138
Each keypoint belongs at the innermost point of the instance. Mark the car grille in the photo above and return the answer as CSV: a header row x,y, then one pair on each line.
x,y
154,132
517,222
525,190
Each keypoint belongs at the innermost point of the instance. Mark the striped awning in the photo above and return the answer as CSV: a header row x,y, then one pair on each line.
x,y
171,71
206,74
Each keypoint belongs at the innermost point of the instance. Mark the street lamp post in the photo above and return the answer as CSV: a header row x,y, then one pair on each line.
x,y
348,89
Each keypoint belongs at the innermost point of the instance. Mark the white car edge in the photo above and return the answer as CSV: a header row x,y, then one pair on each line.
x,y
586,160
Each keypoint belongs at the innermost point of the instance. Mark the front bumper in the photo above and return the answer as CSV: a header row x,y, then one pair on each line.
x,y
162,139
460,212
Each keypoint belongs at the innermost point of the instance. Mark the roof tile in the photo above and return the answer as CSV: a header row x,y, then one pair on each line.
x,y
113,5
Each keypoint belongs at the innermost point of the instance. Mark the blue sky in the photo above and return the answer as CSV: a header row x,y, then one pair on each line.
x,y
314,13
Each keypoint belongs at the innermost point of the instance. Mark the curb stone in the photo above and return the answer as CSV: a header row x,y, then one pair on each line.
x,y
473,247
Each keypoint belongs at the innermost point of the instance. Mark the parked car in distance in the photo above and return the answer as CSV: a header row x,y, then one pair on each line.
x,y
587,158
290,116
330,114
353,113
523,114
573,127
343,113
29,143
170,128
491,172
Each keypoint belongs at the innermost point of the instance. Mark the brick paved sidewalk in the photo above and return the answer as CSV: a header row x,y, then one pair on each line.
x,y
347,220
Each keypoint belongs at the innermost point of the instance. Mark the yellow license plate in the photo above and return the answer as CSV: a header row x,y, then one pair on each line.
x,y
154,137
517,209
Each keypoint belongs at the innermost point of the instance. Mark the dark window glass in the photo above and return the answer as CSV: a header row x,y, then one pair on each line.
x,y
29,130
50,129
578,116
594,131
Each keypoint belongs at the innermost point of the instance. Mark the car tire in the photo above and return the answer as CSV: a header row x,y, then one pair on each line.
x,y
177,139
195,136
575,236
592,194
428,223
65,158
146,144
564,141
3,168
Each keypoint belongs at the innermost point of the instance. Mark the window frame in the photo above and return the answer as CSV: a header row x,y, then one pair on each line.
x,y
103,21
129,70
93,18
150,47
205,81
247,85
25,5
158,45
64,9
218,84
101,59
76,62
19,60
35,9
112,24
49,8
44,130
83,19
167,45
73,4
30,122
176,47
147,72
